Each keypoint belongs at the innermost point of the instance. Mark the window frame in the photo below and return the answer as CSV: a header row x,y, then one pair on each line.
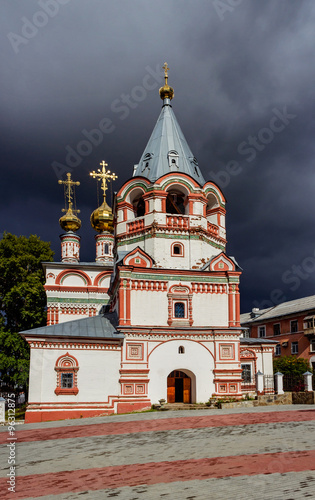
x,y
278,350
295,347
66,365
181,247
259,333
182,303
274,329
246,379
297,325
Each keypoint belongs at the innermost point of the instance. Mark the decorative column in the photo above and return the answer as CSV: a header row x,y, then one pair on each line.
x,y
279,383
70,247
259,382
308,386
104,247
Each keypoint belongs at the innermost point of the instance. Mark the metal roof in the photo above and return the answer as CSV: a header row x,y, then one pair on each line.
x,y
286,308
167,138
251,340
101,327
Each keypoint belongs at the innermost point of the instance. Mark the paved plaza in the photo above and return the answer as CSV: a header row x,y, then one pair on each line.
x,y
251,453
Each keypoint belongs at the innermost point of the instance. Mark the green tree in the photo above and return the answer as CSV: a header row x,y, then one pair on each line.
x,y
22,301
290,365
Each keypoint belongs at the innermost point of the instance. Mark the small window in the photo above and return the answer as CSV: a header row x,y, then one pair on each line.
x,y
276,329
106,249
278,350
177,249
181,350
67,380
294,326
179,310
294,348
312,345
246,373
261,331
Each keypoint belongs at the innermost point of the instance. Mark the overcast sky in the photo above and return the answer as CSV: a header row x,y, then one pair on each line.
x,y
244,80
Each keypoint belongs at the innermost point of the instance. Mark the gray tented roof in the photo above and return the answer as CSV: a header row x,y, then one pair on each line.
x,y
166,138
101,327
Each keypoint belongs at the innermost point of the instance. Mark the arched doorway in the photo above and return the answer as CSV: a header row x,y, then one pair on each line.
x,y
178,387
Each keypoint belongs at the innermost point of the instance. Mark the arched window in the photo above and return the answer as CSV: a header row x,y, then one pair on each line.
x,y
66,368
175,203
139,207
179,310
177,249
106,249
181,350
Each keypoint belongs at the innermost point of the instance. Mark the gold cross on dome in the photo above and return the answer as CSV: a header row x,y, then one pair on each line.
x,y
69,190
104,176
166,68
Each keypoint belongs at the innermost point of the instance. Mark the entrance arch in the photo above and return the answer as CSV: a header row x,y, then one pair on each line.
x,y
178,387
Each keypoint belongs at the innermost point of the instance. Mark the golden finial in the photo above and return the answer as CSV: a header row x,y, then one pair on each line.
x,y
102,217
103,175
166,92
165,67
69,222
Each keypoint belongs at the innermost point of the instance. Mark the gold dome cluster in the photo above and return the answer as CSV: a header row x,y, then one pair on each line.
x,y
102,219
166,92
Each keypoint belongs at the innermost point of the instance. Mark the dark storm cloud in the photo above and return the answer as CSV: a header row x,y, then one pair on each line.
x,y
233,63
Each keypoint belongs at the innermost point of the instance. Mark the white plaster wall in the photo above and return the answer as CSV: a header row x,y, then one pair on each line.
x,y
196,359
196,252
97,376
210,309
149,308
264,362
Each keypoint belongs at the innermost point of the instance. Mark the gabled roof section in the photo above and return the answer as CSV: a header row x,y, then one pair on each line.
x,y
100,327
221,262
138,258
167,150
297,306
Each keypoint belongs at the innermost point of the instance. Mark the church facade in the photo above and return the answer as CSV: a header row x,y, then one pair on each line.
x,y
157,315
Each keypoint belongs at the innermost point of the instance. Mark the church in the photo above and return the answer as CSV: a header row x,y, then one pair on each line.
x,y
157,314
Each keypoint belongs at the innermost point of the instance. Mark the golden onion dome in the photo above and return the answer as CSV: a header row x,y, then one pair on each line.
x,y
102,219
69,221
166,92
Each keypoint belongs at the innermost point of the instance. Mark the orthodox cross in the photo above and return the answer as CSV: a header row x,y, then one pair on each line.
x,y
166,68
69,191
104,176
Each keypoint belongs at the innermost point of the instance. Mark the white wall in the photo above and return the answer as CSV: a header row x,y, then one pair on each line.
x,y
97,376
196,359
210,309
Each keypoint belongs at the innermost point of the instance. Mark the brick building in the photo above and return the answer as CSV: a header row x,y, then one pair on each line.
x,y
291,324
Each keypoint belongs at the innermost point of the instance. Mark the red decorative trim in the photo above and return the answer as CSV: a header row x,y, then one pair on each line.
x,y
66,364
99,277
73,271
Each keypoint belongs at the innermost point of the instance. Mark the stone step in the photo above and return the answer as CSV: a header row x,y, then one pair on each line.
x,y
181,406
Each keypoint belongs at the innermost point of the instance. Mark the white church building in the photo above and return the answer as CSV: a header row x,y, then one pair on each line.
x,y
157,314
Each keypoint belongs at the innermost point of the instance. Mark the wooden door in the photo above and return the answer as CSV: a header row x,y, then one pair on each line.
x,y
186,398
171,389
